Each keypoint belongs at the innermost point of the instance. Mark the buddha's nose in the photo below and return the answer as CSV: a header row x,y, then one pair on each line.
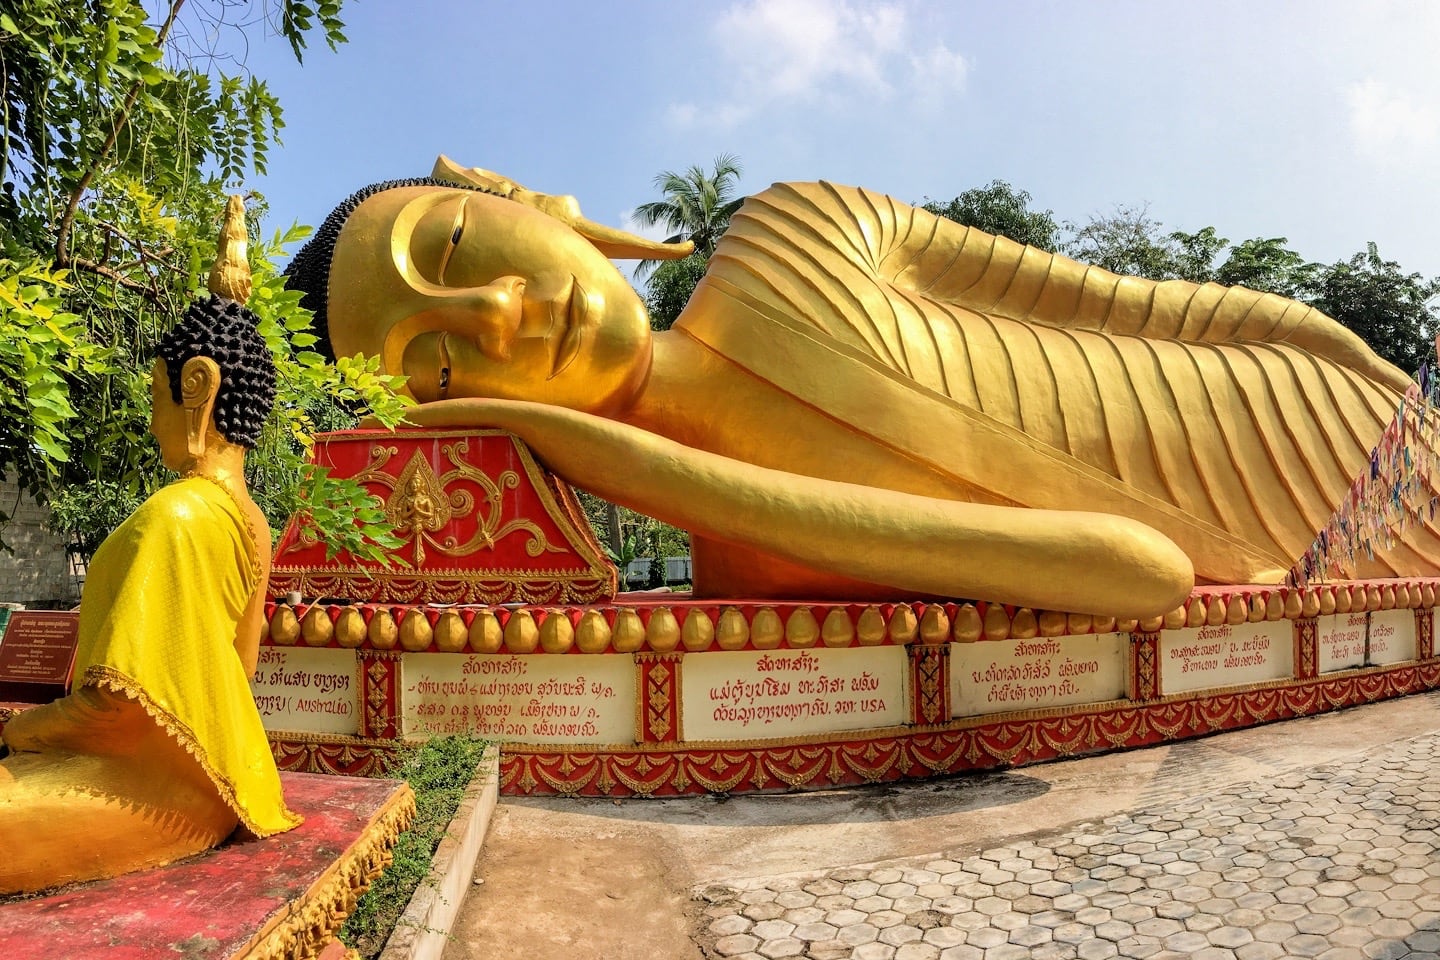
x,y
497,315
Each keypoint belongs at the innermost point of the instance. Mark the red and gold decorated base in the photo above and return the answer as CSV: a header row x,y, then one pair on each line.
x,y
663,695
284,896
479,520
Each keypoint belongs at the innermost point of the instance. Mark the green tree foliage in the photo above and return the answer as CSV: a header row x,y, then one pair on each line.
x,y
694,205
669,288
1001,209
1128,241
118,141
1390,309
627,535
1192,255
1266,264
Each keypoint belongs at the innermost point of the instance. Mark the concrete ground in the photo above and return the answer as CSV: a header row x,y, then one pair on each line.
x,y
1313,821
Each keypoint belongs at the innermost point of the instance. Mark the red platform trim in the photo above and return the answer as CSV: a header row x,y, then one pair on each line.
x,y
658,676
1307,648
1144,666
339,756
379,693
284,896
930,679
895,754
891,754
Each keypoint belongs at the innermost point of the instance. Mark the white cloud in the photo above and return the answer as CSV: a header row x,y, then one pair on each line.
x,y
1389,124
831,53
941,69
682,114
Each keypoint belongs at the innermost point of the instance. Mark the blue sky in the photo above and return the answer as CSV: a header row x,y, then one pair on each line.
x,y
1317,121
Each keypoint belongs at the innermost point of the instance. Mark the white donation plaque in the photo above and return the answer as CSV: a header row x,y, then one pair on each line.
x,y
1392,636
1002,676
1340,638
307,690
1229,655
519,698
752,695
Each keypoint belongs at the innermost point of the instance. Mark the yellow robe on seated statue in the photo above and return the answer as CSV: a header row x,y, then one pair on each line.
x,y
158,752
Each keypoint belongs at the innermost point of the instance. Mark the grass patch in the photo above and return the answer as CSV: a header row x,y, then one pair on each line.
x,y
438,772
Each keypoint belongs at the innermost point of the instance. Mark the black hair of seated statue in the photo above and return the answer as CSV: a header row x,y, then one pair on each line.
x,y
225,331
309,270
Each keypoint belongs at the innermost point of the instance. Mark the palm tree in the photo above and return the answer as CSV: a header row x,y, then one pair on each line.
x,y
697,206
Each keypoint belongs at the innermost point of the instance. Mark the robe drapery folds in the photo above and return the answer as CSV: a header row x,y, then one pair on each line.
x,y
163,596
1232,421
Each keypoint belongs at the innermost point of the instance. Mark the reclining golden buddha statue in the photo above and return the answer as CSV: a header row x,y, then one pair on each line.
x,y
863,401
158,751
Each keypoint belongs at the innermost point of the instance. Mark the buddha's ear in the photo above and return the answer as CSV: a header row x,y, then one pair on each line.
x,y
488,180
612,242
199,385
620,245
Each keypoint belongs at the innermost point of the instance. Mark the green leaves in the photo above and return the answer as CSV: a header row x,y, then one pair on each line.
x,y
118,146
697,206
315,395
668,289
41,346
247,120
297,17
344,516
1393,311
1001,209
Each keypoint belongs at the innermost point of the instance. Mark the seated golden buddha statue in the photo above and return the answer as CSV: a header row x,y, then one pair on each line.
x,y
864,401
158,752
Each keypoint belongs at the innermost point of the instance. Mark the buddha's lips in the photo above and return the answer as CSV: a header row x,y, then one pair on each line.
x,y
569,329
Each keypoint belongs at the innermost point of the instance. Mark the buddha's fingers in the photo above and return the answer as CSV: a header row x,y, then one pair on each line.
x,y
1050,559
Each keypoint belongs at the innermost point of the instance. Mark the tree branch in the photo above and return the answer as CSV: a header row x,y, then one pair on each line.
x,y
62,235
100,269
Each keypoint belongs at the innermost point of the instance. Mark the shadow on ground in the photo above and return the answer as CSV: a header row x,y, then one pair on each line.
x,y
875,803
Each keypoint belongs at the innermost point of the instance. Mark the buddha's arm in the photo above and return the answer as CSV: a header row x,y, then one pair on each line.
x,y
251,626
248,632
941,260
1059,560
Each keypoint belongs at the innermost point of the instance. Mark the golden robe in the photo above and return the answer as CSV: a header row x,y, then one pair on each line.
x,y
1231,421
159,749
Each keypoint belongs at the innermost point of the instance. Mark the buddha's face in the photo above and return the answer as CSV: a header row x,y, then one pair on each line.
x,y
504,301
167,420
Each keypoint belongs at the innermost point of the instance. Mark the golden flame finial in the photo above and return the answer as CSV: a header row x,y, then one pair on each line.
x,y
230,277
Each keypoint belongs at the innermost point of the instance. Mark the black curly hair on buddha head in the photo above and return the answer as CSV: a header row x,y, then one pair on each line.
x,y
225,331
309,270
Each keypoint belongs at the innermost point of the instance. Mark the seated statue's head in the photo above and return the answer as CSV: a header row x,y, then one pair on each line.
x,y
213,381
473,290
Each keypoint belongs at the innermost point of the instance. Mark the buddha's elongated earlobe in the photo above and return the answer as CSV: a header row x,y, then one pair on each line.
x,y
199,384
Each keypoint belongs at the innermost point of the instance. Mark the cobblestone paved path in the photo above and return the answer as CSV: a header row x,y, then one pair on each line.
x,y
1336,861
